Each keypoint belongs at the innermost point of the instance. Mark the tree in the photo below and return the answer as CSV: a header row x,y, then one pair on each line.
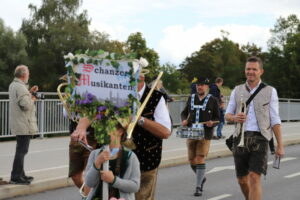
x,y
173,80
100,40
137,44
53,30
252,50
220,57
283,29
283,60
12,53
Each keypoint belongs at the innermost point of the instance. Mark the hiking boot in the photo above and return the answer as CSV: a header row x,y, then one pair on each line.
x,y
29,178
198,192
19,181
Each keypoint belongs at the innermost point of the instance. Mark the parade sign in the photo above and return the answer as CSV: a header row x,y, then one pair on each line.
x,y
106,82
103,87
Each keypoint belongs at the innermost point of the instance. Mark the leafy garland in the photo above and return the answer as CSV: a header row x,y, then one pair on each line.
x,y
103,115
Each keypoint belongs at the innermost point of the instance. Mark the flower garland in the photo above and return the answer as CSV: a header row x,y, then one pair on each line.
x,y
103,115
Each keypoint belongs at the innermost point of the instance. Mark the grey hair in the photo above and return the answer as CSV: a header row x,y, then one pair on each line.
x,y
20,71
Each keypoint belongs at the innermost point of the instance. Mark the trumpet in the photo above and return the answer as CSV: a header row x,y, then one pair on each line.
x,y
241,126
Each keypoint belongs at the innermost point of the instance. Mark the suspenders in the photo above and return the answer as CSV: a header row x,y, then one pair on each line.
x,y
197,108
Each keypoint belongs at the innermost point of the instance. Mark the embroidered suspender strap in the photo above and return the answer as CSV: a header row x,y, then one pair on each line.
x,y
261,86
198,107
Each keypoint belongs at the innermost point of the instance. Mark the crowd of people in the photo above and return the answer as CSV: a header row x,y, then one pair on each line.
x,y
132,174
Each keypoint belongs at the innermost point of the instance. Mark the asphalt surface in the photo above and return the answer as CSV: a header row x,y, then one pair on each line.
x,y
177,183
47,159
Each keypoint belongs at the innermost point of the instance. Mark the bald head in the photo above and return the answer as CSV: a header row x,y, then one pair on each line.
x,y
22,73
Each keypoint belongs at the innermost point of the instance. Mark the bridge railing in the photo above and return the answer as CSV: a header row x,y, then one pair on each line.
x,y
52,121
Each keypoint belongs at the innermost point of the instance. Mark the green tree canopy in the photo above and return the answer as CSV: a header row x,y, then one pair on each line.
x,y
282,63
173,80
52,31
137,44
12,53
218,58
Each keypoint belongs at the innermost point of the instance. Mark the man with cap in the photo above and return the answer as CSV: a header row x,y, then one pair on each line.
x,y
200,107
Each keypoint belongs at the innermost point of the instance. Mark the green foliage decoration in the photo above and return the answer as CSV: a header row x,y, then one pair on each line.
x,y
104,116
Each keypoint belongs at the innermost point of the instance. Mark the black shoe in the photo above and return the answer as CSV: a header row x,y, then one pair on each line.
x,y
202,184
198,192
215,138
29,178
20,181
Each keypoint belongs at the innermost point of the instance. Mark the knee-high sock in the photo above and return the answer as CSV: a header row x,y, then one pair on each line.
x,y
193,168
200,172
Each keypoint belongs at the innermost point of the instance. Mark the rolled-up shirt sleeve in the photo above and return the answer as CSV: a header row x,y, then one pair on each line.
x,y
161,114
231,107
274,109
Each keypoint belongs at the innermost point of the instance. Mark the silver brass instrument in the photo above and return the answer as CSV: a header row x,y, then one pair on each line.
x,y
241,126
190,133
196,132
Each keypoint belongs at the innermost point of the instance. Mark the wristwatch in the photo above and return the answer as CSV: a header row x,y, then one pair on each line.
x,y
141,121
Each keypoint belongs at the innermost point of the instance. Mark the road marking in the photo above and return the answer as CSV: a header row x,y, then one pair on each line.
x,y
32,152
223,196
283,160
292,175
185,148
40,170
221,168
232,167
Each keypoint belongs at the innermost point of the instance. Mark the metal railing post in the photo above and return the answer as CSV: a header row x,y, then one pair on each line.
x,y
42,114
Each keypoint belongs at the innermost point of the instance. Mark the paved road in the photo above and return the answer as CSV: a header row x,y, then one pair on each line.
x,y
47,160
46,155
177,183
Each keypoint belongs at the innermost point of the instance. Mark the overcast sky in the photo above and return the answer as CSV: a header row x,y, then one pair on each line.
x,y
174,28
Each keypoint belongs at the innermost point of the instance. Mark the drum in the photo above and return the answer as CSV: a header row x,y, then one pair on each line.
x,y
190,133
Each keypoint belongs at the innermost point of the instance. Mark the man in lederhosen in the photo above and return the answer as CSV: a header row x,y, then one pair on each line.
x,y
200,107
262,117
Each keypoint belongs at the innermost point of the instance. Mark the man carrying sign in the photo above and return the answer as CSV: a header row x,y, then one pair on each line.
x,y
153,126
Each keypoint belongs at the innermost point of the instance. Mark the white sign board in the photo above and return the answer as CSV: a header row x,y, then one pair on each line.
x,y
106,82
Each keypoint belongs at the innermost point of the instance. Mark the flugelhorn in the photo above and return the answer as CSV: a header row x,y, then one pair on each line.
x,y
63,98
129,143
241,126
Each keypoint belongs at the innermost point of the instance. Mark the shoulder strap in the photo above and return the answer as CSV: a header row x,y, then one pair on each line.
x,y
261,86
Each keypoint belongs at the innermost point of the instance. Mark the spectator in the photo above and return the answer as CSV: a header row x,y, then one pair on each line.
x,y
22,121
215,91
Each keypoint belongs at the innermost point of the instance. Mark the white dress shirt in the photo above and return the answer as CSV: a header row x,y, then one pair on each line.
x,y
251,121
161,112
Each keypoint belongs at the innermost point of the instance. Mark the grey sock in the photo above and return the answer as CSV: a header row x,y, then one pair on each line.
x,y
200,172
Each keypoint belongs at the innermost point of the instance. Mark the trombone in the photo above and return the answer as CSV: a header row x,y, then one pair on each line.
x,y
241,126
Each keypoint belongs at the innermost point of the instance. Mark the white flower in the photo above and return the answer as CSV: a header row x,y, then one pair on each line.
x,y
135,65
101,56
70,56
143,62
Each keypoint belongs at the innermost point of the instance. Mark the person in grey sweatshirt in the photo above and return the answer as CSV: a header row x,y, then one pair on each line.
x,y
124,170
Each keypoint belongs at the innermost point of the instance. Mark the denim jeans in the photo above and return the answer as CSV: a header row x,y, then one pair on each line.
x,y
21,150
219,129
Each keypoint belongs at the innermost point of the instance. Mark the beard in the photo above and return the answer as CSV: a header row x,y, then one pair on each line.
x,y
201,93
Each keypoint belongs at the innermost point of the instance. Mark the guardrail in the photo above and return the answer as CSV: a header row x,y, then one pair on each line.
x,y
51,120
